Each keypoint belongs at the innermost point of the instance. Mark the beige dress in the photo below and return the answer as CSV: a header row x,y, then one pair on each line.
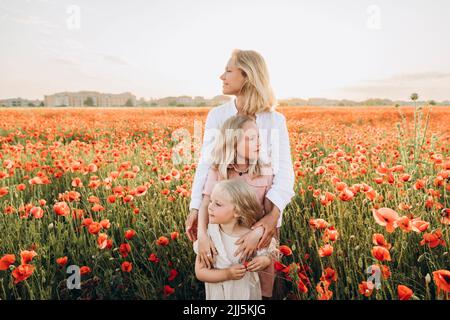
x,y
260,185
247,288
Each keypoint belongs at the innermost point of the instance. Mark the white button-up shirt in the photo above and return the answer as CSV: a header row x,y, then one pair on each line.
x,y
274,148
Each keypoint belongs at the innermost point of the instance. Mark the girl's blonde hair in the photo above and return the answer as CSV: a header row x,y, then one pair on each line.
x,y
225,151
243,197
256,91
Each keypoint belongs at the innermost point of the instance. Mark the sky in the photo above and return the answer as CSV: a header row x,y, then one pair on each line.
x,y
347,49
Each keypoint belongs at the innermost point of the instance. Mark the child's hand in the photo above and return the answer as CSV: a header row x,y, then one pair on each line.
x,y
206,251
258,263
236,272
248,244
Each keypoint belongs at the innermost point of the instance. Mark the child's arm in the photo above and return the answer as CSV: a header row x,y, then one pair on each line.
x,y
204,274
264,257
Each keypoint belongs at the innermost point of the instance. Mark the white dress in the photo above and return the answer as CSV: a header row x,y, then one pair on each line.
x,y
246,288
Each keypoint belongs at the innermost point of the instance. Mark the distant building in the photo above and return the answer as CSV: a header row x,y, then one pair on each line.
x,y
89,98
19,102
218,100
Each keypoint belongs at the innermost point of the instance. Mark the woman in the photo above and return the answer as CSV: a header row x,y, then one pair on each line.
x,y
247,78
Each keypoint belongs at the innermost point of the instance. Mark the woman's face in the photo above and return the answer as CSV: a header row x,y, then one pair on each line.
x,y
248,145
232,79
220,208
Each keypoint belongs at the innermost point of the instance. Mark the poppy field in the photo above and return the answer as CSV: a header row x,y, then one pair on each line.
x,y
96,192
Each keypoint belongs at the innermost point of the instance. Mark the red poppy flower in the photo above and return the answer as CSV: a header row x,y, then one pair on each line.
x,y
162,241
127,266
404,293
285,250
378,240
172,274
325,251
124,249
318,223
129,234
366,288
6,261
22,272
381,253
85,270
153,258
61,208
433,239
94,228
442,280
385,217
329,275
27,256
168,290
323,292
62,261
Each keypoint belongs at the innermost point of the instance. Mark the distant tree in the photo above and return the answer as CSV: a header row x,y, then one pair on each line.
x,y
42,104
172,103
129,103
30,104
89,102
201,104
414,96
153,104
432,102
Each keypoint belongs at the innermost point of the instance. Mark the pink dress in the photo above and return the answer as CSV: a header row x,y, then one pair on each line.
x,y
261,185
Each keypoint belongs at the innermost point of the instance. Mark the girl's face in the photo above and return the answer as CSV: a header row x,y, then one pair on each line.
x,y
232,79
248,147
220,208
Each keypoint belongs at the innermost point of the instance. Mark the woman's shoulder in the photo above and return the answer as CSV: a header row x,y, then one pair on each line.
x,y
275,117
278,116
217,110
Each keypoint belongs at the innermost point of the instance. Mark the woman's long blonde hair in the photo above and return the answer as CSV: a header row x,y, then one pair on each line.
x,y
225,150
243,197
256,91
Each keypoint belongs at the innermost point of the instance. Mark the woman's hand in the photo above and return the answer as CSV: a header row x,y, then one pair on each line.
x,y
206,250
258,263
269,223
191,225
248,244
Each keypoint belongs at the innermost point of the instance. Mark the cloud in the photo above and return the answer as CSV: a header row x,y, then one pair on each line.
x,y
116,59
18,17
29,20
430,85
412,77
66,61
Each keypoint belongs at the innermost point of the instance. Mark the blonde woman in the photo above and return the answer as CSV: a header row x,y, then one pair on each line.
x,y
233,209
247,78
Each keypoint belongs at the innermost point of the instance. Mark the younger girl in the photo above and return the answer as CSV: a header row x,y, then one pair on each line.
x,y
232,210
